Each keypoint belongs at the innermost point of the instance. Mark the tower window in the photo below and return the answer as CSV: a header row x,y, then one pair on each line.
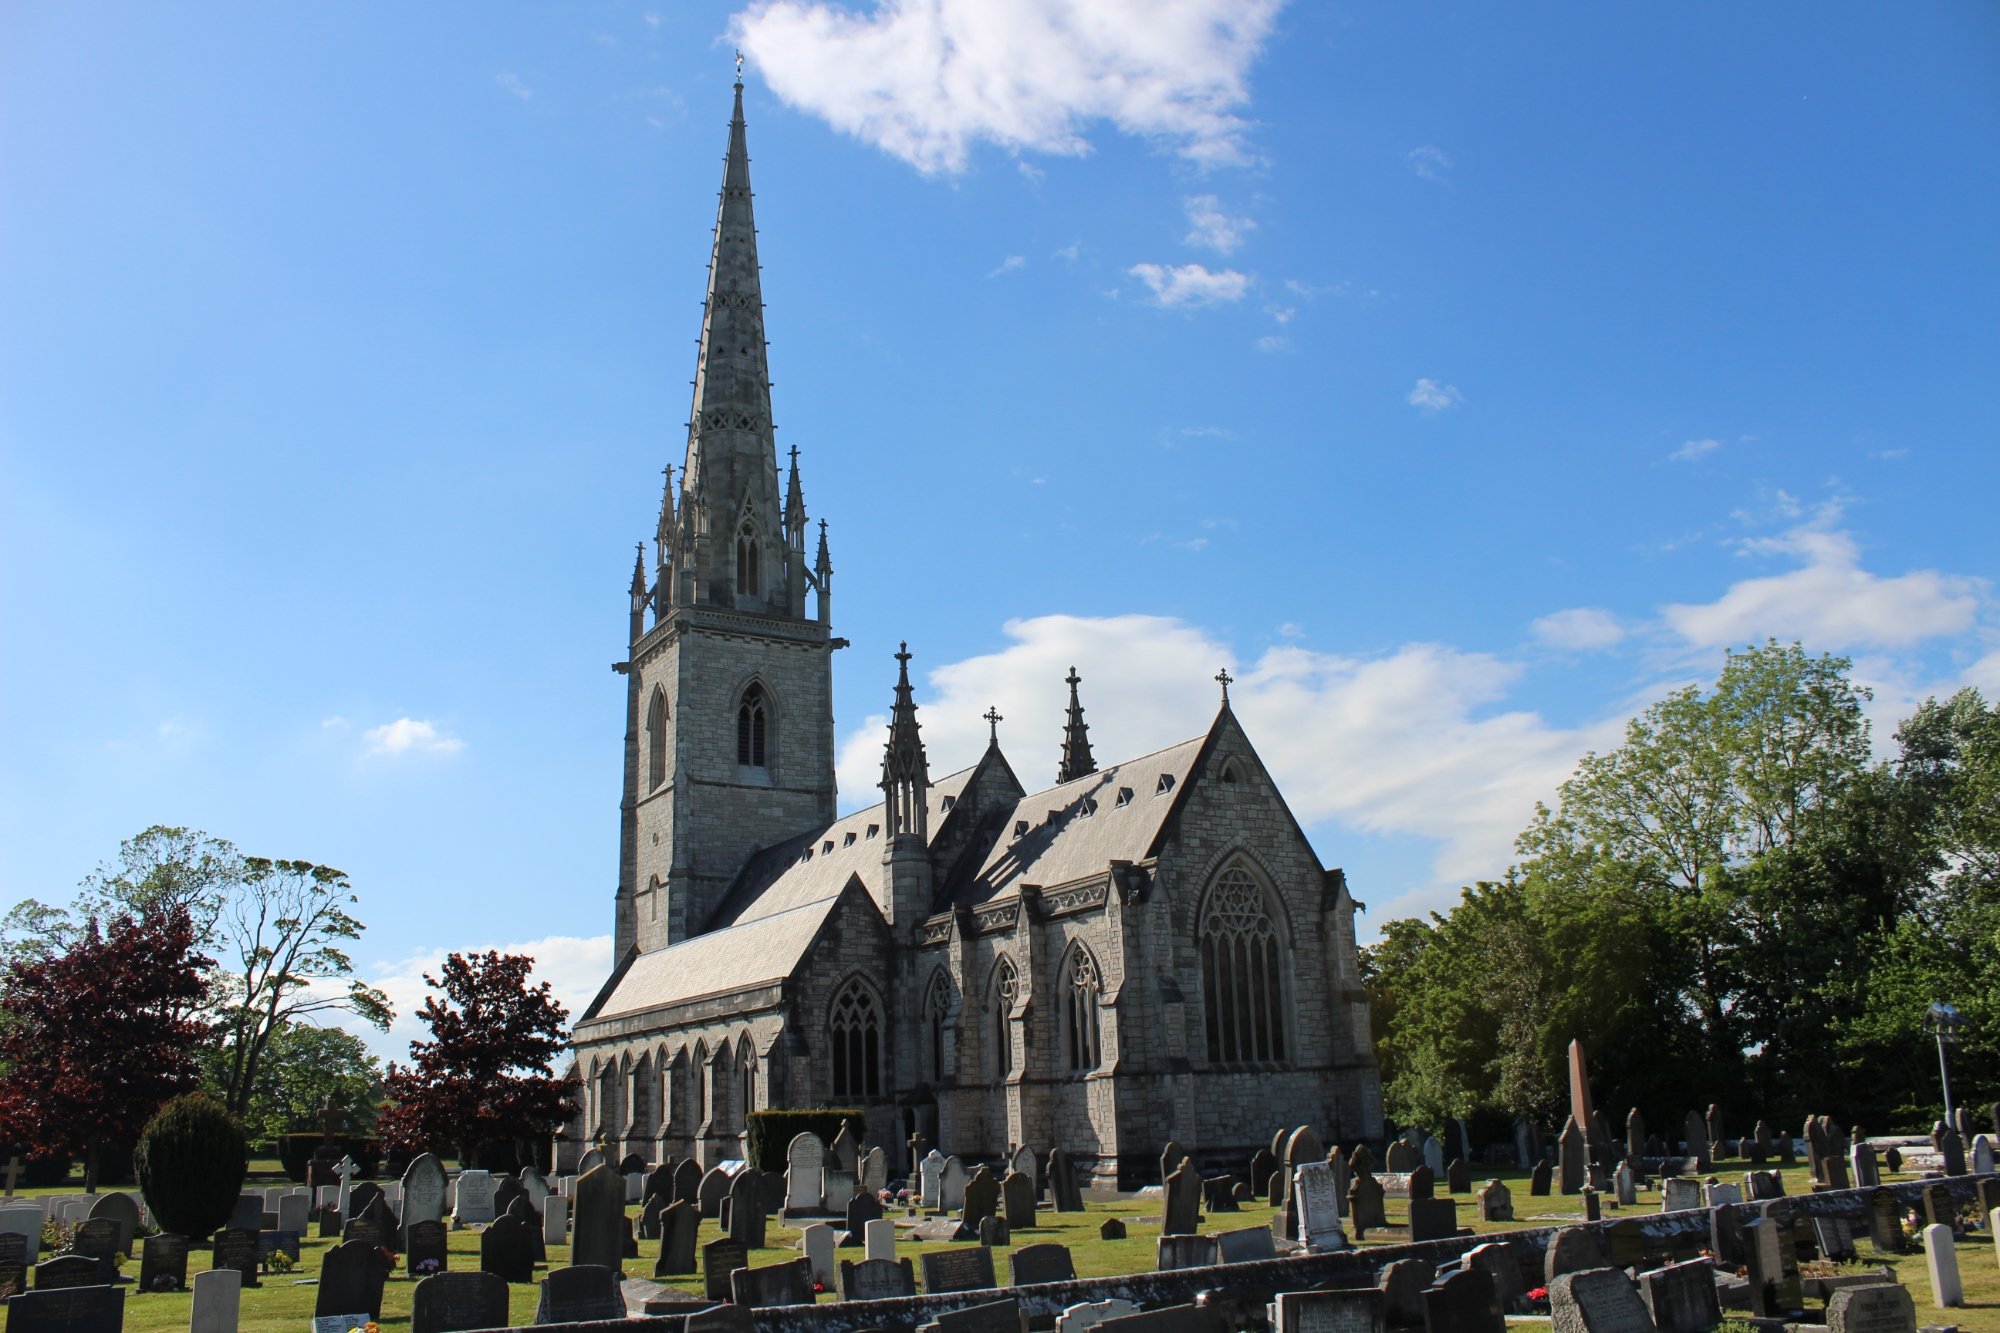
x,y
750,728
747,560
656,740
1241,973
855,1025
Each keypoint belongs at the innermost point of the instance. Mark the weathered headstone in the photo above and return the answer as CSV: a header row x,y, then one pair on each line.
x,y
1183,1201
350,1280
862,1209
1681,1297
423,1190
1496,1202
1772,1266
1951,1148
714,1189
1625,1185
877,1279
687,1181
455,1302
1695,1130
993,1230
1878,1307
1177,1252
1596,1300
958,1270
805,1164
122,1211
680,1227
582,1293
1001,1316
1064,1192
981,1197
598,1229
1401,1159
746,1206
1365,1207
97,1238
474,1206
1496,1259
1087,1315
1112,1228
952,1178
1318,1208
1678,1193
1539,1178
1017,1197
555,1220
65,1271
818,1242
719,1259
1573,1158
218,1295
1458,1177
93,1309
1572,1250
1357,1310
507,1250
1420,1183
1433,1219
1464,1302
1402,1283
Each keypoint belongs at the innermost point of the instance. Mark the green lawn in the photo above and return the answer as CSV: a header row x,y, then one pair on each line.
x,y
281,1305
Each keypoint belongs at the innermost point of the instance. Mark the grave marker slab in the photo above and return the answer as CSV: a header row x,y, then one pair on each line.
x,y
426,1251
680,1229
774,1284
96,1309
163,1263
818,1242
959,1270
555,1220
1464,1302
582,1292
1947,1291
1031,1264
474,1204
1884,1307
350,1280
1597,1300
455,1302
599,1224
65,1271
507,1250
236,1247
1083,1317
1247,1245
1177,1252
720,1258
878,1240
1681,1297
1359,1310
218,1295
876,1279
805,1165
1017,1197
992,1317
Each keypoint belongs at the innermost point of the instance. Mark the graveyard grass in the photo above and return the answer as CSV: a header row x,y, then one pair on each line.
x,y
280,1305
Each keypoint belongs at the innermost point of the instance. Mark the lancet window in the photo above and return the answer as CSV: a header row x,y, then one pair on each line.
x,y
656,740
1006,987
1081,988
855,1027
752,726
1241,973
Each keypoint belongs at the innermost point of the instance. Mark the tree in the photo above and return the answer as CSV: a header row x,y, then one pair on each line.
x,y
277,925
281,932
191,1162
304,1070
96,1037
487,1074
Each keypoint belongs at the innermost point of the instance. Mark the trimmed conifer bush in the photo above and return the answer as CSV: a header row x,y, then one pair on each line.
x,y
191,1164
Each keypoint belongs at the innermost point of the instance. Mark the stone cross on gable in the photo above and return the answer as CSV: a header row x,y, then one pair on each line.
x,y
1224,676
993,721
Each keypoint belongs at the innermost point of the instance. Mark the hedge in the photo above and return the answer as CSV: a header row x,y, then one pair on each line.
x,y
295,1151
771,1132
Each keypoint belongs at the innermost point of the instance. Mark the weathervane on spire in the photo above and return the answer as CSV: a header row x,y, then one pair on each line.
x,y
993,721
1224,676
739,65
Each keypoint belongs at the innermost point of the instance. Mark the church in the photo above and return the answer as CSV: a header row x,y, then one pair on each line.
x,y
1146,950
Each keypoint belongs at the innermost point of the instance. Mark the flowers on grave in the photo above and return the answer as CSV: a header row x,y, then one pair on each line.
x,y
1538,1297
277,1261
429,1266
166,1282
819,1288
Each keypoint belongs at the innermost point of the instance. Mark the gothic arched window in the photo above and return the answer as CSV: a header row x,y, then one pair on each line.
x,y
855,1026
1006,986
1242,977
698,1087
656,740
751,727
937,1016
1080,988
643,1119
607,1101
746,560
747,1080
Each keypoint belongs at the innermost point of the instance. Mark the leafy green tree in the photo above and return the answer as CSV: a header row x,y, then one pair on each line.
x,y
304,1070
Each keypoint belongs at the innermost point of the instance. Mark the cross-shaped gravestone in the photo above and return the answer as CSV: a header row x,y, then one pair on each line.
x,y
346,1169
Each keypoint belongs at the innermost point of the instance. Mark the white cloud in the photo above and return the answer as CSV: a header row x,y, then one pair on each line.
x,y
1432,396
1694,449
1213,228
511,81
1070,251
1191,285
574,966
1829,601
1411,742
1581,628
1272,342
1428,161
408,735
1009,265
928,79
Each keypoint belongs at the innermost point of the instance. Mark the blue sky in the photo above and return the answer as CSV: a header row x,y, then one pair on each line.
x,y
1462,377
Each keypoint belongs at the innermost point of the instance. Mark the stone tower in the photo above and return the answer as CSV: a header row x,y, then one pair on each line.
x,y
729,711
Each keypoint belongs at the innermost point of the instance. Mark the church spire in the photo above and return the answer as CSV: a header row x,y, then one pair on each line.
x,y
740,552
1076,760
906,777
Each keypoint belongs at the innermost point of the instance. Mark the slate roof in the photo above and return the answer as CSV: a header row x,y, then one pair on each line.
x,y
753,954
1076,829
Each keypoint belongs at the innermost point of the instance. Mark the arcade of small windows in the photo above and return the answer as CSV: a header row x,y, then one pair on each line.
x,y
855,1027
1242,977
751,727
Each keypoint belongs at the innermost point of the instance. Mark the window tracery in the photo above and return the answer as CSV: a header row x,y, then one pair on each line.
x,y
1242,974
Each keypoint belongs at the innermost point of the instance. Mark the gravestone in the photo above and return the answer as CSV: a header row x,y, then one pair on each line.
x,y
876,1279
1678,1193
1458,1177
649,1217
1538,1179
862,1209
383,1219
1635,1134
1017,1198
1681,1298
505,1191
1596,1300
993,1230
1112,1228
66,1271
555,1220
1573,1158
930,1181
1719,1192
1402,1158
660,1181
1420,1184
1695,1130
1759,1146
97,1238
236,1247
163,1263
873,1174
582,1292
1183,1201
719,1259
1171,1158
1951,1148
1262,1163
1318,1208
1365,1207
294,1212
1947,1291
714,1189
1402,1283
687,1182
122,1210
1772,1266
94,1309
350,1280
475,1205
1246,1245
1885,1222
805,1165
455,1302
1177,1252
25,1221
598,1239
1464,1302
1984,1156
878,1240
1867,1174
951,1185
1572,1250
1433,1219
1496,1260
680,1228
981,1197
1496,1202
1064,1193
1357,1310
507,1250
423,1190
359,1196
844,1152
1002,1316
774,1284
746,1204
218,1296
1892,1159
818,1242
427,1249
1878,1307
1086,1315
1625,1185
968,1269
1043,1263
1433,1156
836,1188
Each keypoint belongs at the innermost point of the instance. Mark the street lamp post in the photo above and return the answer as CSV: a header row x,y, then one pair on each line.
x,y
1945,1021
